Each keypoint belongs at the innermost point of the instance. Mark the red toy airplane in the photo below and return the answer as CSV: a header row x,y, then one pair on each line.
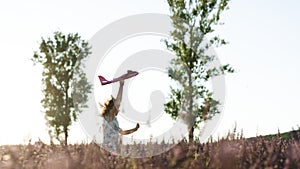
x,y
127,75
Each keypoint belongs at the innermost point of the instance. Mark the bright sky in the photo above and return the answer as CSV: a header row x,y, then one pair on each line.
x,y
261,97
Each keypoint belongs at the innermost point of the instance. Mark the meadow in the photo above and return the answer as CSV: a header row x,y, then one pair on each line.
x,y
233,151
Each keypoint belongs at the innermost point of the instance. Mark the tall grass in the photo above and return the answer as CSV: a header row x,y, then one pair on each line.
x,y
229,153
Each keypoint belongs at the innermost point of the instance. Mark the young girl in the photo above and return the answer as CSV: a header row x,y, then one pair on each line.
x,y
111,129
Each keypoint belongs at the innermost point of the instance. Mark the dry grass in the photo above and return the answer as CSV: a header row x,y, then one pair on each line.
x,y
228,153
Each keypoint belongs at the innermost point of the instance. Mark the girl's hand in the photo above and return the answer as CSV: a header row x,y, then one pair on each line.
x,y
137,126
121,82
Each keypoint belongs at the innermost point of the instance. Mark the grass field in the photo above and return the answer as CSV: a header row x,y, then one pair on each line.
x,y
229,153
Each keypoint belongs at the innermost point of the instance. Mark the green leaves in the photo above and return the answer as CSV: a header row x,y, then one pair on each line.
x,y
192,21
65,85
173,106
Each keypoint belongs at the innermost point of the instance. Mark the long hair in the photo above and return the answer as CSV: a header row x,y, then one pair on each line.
x,y
108,106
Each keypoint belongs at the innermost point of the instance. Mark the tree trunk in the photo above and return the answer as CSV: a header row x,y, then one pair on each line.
x,y
67,115
66,136
190,106
191,134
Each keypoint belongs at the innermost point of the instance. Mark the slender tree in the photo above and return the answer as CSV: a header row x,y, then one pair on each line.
x,y
192,21
65,86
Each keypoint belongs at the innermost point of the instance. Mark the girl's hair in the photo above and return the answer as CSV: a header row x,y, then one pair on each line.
x,y
108,105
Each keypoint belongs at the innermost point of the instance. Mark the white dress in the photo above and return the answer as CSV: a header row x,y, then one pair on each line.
x,y
110,133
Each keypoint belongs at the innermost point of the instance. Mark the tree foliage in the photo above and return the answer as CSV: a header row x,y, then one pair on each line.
x,y
191,68
65,86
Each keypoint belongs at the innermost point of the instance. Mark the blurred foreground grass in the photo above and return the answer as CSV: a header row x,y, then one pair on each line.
x,y
229,153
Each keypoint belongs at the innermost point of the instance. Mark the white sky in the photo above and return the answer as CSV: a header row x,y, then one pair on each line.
x,y
264,39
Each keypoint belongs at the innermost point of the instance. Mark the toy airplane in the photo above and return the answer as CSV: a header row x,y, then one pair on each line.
x,y
127,75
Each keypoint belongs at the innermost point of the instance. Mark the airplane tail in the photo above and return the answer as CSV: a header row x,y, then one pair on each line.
x,y
103,80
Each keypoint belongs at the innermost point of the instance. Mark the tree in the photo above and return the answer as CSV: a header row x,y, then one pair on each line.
x,y
191,99
65,86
